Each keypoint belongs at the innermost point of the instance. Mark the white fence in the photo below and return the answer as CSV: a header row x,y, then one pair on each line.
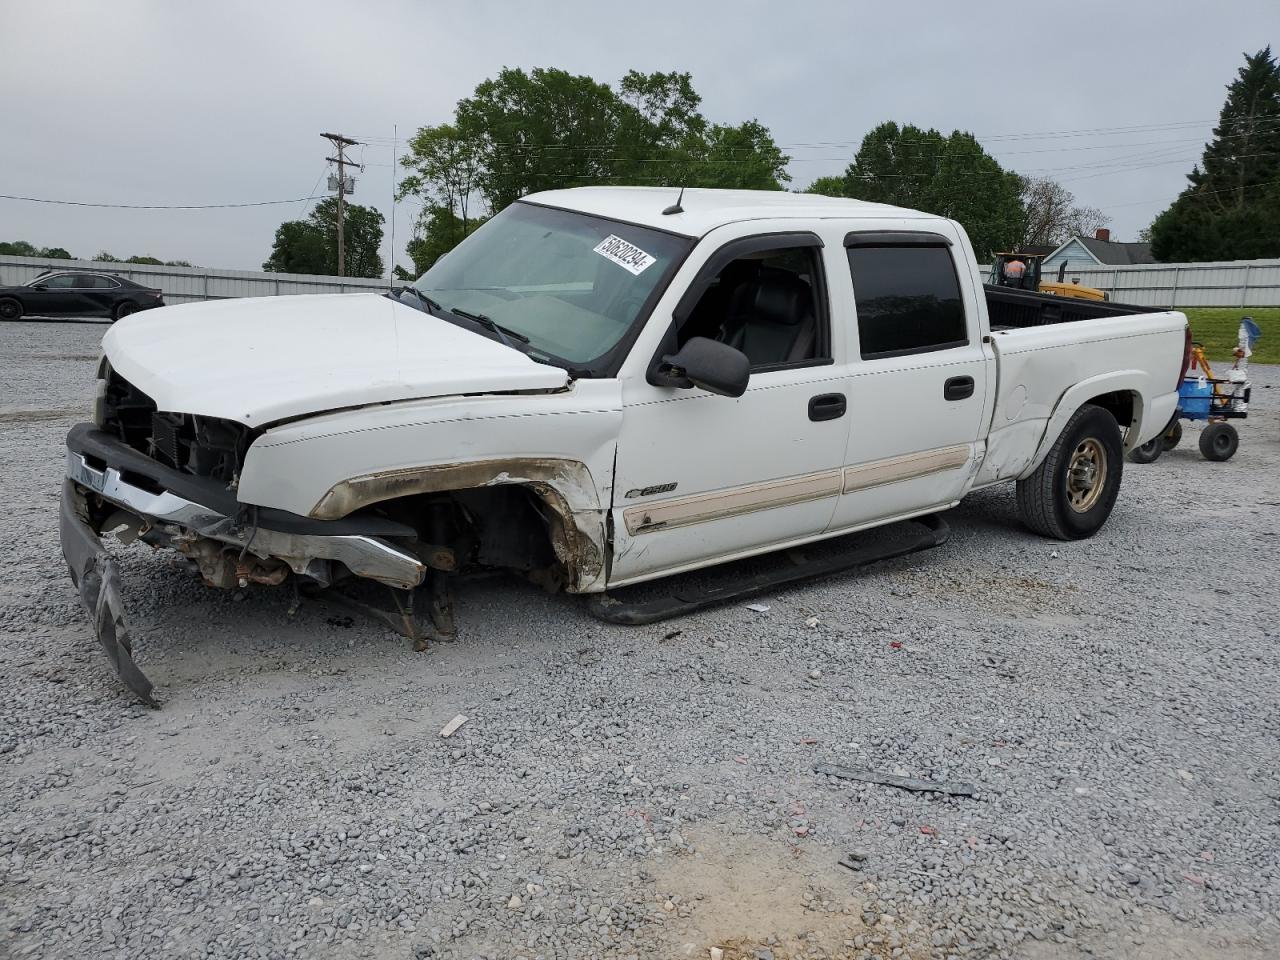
x,y
1238,283
187,284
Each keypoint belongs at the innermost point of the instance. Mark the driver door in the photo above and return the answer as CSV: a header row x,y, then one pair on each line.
x,y
53,295
703,478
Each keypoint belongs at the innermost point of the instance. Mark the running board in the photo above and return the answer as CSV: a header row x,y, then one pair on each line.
x,y
607,608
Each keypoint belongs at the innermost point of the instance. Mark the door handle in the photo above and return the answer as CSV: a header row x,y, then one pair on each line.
x,y
827,406
958,388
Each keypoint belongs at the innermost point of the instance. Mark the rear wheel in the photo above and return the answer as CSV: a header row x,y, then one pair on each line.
x,y
1219,441
124,309
10,309
1071,494
1149,452
1173,436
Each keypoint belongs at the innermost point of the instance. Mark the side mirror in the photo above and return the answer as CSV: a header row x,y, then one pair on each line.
x,y
40,286
714,366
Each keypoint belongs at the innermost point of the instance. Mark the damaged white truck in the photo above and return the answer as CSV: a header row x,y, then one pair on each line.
x,y
601,387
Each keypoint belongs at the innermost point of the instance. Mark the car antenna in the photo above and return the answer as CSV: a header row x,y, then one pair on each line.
x,y
675,207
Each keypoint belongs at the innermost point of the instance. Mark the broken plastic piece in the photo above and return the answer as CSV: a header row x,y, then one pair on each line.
x,y
450,728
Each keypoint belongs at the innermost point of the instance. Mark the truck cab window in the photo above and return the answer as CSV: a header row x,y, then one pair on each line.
x,y
770,305
908,300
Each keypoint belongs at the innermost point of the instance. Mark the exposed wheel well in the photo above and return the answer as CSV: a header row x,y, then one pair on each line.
x,y
1120,404
508,526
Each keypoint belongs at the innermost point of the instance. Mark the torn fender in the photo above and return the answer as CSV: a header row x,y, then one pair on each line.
x,y
564,486
97,579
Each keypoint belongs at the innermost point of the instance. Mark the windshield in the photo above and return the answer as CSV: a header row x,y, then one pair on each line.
x,y
571,283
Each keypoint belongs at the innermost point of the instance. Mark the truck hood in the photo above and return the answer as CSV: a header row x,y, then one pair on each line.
x,y
263,359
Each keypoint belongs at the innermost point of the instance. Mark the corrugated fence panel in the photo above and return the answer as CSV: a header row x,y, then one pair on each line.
x,y
1238,283
1253,283
189,284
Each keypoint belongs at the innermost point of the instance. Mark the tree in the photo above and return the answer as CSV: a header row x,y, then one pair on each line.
x,y
742,158
524,132
21,248
827,186
440,230
311,245
951,176
1052,216
152,261
445,169
1230,209
539,131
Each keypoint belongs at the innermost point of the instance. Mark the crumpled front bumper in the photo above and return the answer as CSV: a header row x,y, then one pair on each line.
x,y
361,545
97,579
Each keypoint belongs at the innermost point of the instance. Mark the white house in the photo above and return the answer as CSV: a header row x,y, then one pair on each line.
x,y
1083,253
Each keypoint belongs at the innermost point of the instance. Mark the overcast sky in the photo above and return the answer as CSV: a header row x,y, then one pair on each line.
x,y
140,102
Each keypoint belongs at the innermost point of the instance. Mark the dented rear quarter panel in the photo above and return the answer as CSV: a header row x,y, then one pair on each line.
x,y
1046,373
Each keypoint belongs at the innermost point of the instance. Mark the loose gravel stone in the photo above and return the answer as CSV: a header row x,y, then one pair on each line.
x,y
649,792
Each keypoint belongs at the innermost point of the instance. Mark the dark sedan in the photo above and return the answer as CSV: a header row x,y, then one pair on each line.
x,y
74,293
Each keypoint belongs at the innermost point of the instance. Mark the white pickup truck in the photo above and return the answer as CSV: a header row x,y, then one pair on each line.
x,y
601,387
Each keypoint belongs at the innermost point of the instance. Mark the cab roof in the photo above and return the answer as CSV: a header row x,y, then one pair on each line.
x,y
705,209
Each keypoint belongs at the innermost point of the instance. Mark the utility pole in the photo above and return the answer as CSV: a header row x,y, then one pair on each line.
x,y
340,143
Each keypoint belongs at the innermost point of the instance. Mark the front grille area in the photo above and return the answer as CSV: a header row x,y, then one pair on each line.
x,y
203,446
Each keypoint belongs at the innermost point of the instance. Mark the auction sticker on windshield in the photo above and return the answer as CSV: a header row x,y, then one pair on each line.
x,y
626,255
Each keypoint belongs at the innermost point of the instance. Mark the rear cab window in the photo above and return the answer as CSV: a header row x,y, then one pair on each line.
x,y
907,293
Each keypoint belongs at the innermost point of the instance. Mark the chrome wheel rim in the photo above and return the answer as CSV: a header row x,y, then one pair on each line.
x,y
1086,475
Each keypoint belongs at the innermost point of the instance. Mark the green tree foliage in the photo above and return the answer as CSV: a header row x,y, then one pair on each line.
x,y
152,261
1231,208
827,186
547,129
440,230
21,248
104,256
311,245
948,175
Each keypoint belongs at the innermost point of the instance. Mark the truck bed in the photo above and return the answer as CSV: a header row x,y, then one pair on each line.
x,y
1011,309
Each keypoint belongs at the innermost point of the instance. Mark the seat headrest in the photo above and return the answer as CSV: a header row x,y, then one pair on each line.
x,y
774,296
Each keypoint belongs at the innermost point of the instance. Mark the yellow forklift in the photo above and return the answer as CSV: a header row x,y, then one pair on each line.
x,y
1028,278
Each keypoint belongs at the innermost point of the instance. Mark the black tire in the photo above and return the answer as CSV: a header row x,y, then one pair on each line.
x,y
1071,494
1219,441
10,309
1173,436
1149,452
124,309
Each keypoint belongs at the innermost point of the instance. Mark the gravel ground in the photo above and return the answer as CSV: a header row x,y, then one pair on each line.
x,y
649,792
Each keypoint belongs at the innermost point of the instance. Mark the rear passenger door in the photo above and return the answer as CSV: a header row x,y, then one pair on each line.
x,y
97,293
918,390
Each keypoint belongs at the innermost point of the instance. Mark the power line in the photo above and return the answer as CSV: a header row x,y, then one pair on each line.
x,y
1171,126
157,206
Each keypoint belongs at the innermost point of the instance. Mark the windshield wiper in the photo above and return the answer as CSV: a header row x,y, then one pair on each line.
x,y
428,305
502,333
